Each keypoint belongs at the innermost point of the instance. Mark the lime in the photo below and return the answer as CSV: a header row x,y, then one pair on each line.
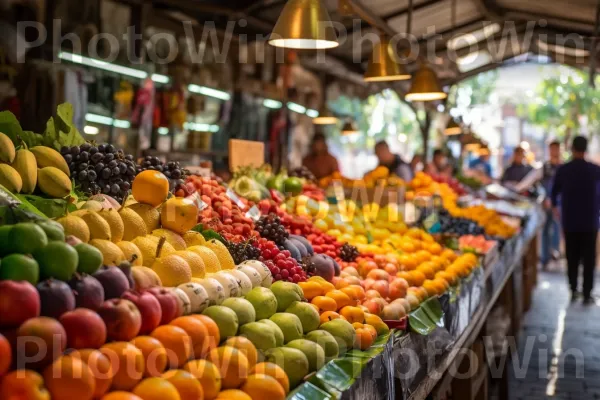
x,y
57,260
292,186
90,258
26,238
18,267
4,246
53,229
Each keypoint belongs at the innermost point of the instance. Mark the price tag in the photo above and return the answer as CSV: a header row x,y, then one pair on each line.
x,y
253,213
234,197
198,202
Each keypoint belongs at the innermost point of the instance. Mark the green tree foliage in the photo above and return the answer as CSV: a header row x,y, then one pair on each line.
x,y
472,91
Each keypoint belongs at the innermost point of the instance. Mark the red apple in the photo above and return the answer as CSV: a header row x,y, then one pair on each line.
x,y
19,301
40,341
149,307
169,304
122,318
85,329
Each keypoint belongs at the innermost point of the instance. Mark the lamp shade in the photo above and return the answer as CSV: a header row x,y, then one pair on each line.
x,y
383,65
304,24
452,128
325,118
349,128
425,86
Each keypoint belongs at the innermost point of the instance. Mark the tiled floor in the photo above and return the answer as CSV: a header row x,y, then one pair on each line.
x,y
559,346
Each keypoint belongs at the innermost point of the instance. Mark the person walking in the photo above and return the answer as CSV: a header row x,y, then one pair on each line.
x,y
576,184
319,161
518,169
393,162
551,231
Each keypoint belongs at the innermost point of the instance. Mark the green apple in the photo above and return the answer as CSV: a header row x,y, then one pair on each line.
x,y
307,315
292,361
276,330
225,318
313,352
261,335
263,301
342,331
289,324
243,308
286,293
326,341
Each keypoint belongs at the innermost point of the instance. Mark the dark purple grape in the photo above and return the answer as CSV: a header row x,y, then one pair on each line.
x,y
112,164
106,173
82,166
97,157
84,156
108,157
92,175
68,158
64,150
85,147
110,148
75,150
125,186
82,176
106,189
114,188
102,148
99,167
176,174
129,157
122,168
118,181
116,171
93,150
130,171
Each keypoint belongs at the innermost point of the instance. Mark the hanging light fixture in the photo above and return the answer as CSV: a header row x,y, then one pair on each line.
x,y
452,128
304,24
383,65
349,128
425,86
325,117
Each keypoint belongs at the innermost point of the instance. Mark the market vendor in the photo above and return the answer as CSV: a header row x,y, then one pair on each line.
x,y
482,163
518,169
393,162
319,161
439,163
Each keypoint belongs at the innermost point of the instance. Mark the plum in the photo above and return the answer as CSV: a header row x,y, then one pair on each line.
x,y
56,298
323,266
113,280
89,293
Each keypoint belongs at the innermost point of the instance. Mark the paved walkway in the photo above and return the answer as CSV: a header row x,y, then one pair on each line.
x,y
562,342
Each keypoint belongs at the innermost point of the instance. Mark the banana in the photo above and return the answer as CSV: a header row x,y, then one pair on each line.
x,y
7,149
54,182
48,157
10,178
26,166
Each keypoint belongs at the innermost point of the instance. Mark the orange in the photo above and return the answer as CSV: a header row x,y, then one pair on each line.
x,y
325,303
155,355
326,286
233,394
329,316
69,378
371,329
177,342
232,363
407,247
416,278
261,386
354,295
156,389
127,364
120,396
311,289
187,385
23,384
274,371
363,339
179,215
427,269
353,314
341,298
447,276
150,187
208,375
214,335
407,262
197,332
100,366
435,248
422,256
245,346
5,355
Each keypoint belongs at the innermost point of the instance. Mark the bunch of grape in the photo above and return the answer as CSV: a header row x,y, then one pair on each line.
x,y
243,251
270,227
303,172
280,262
172,170
348,252
100,169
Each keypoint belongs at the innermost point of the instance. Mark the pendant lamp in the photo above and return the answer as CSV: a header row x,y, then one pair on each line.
x,y
325,117
349,128
452,128
304,24
425,86
383,65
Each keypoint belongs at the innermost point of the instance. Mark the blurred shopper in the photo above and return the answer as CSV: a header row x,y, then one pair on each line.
x,y
393,162
318,160
438,164
576,183
416,164
551,231
518,169
482,163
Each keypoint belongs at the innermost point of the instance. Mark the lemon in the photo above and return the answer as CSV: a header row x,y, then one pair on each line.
x,y
111,253
134,224
149,214
222,253
173,238
148,245
211,261
75,226
130,250
115,223
99,228
172,270
193,238
195,262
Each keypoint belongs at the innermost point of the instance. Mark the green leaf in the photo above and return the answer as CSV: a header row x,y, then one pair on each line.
x,y
338,374
308,391
198,228
60,130
51,208
210,234
10,126
427,317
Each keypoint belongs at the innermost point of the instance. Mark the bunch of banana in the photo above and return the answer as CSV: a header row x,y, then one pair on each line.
x,y
22,170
